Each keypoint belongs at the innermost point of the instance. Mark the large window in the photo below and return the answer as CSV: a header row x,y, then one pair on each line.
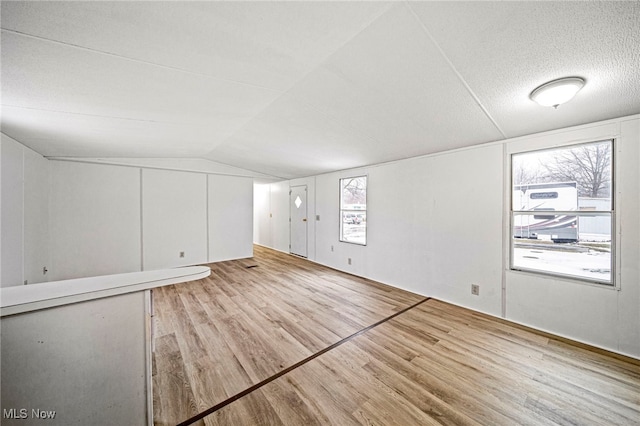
x,y
353,210
562,211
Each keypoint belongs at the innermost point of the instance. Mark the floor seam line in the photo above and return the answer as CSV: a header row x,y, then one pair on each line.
x,y
295,366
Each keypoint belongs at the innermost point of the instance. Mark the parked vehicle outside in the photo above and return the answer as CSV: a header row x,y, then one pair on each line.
x,y
352,218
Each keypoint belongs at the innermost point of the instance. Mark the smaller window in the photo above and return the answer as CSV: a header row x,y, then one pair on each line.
x,y
353,210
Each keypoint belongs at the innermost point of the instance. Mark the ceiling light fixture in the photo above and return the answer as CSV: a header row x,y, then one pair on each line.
x,y
556,92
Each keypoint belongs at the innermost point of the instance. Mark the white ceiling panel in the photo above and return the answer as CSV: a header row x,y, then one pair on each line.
x,y
58,78
391,84
504,50
268,44
58,134
293,140
51,76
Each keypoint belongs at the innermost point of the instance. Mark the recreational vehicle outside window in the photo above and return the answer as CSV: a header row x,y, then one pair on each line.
x,y
353,210
562,212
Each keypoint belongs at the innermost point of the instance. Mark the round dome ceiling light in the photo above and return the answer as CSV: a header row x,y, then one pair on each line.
x,y
556,92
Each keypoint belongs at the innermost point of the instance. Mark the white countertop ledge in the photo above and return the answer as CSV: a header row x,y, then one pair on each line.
x,y
33,297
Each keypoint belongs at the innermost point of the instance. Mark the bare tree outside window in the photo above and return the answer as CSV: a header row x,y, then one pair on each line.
x,y
526,175
354,190
589,165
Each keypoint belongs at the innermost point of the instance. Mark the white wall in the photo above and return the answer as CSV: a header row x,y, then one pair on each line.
x,y
25,214
262,215
422,234
95,220
230,217
82,219
418,234
37,189
279,226
12,163
439,223
174,218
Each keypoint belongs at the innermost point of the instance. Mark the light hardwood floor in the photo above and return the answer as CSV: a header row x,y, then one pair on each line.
x,y
433,363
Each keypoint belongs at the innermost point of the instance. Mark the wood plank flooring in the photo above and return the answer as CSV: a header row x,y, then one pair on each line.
x,y
250,320
434,363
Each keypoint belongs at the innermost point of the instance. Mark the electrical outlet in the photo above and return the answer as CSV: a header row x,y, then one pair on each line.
x,y
331,248
475,289
181,254
349,261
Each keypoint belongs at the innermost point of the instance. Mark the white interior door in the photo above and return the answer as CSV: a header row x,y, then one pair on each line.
x,y
298,219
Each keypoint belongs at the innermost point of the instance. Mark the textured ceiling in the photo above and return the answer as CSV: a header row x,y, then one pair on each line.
x,y
294,89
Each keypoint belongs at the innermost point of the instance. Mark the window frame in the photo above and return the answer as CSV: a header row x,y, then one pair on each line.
x,y
341,210
613,282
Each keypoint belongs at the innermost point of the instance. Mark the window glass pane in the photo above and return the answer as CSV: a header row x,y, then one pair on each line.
x,y
585,167
562,211
589,257
559,228
353,210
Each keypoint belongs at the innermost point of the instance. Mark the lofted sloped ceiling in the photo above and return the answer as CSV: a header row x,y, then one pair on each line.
x,y
293,89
